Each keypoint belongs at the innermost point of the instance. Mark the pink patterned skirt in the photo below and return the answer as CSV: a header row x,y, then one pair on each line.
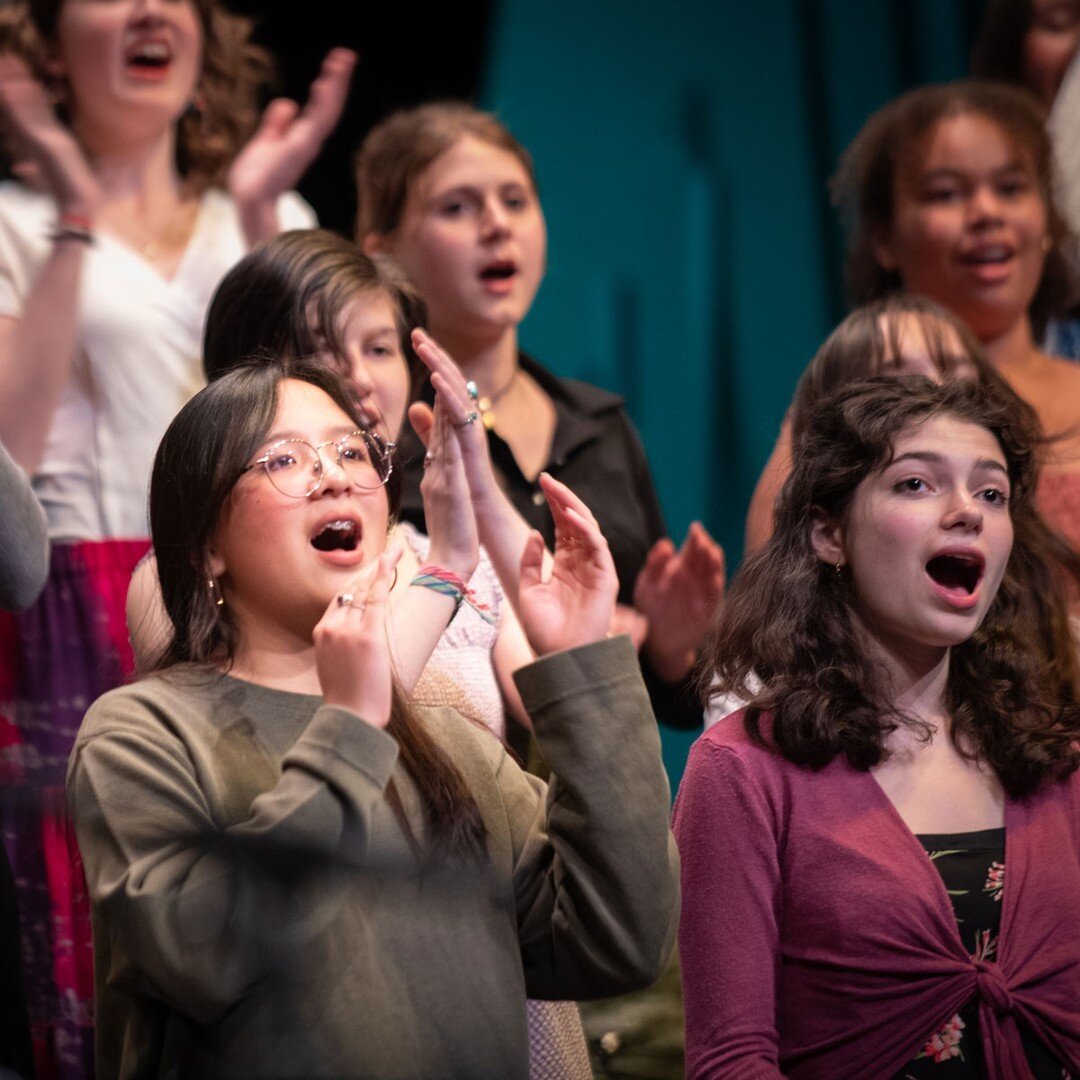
x,y
55,659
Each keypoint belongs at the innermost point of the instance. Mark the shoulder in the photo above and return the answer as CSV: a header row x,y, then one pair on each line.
x,y
153,706
583,397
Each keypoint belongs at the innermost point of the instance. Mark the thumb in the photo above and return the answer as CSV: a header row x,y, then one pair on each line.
x,y
277,117
532,561
422,419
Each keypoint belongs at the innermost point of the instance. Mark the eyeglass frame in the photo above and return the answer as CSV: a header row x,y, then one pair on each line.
x,y
381,445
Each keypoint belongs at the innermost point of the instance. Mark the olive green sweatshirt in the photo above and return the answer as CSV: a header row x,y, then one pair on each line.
x,y
259,910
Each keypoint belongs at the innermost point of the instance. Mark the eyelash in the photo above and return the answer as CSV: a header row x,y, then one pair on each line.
x,y
1000,497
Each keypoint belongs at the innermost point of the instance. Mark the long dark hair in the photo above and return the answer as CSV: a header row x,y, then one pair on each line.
x,y
858,348
285,299
226,102
864,187
792,622
998,52
202,455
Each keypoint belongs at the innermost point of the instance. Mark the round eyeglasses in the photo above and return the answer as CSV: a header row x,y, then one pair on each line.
x,y
295,467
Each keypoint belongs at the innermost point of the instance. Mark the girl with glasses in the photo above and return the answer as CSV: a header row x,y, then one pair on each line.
x,y
293,872
142,173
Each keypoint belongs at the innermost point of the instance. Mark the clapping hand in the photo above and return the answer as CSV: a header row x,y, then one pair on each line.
x,y
45,154
678,592
286,143
448,511
574,605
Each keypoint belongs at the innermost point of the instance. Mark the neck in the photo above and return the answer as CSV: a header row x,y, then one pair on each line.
x,y
1014,349
490,361
141,169
916,677
277,659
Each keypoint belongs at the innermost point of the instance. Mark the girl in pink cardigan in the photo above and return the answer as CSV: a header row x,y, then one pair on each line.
x,y
881,852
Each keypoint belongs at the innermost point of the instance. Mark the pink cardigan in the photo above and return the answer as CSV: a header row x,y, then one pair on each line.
x,y
817,939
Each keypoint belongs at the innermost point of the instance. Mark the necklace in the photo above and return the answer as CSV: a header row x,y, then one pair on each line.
x,y
486,403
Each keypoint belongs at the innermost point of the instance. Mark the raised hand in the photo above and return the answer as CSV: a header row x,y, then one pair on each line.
x,y
450,385
45,153
286,143
448,510
574,605
678,591
351,651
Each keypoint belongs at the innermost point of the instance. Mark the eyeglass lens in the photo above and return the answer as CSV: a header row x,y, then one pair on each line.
x,y
295,467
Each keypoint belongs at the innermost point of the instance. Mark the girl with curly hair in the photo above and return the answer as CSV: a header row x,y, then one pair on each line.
x,y
881,852
142,174
948,192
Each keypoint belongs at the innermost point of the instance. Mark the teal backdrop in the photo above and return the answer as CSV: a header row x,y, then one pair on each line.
x,y
682,151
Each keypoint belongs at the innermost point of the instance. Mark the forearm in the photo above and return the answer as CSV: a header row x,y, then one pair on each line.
x,y
503,533
415,620
37,352
601,919
204,912
24,545
259,219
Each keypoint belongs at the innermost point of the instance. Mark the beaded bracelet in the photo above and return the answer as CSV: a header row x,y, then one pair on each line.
x,y
450,584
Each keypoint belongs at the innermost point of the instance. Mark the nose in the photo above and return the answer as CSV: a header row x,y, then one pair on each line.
x,y
495,221
984,207
964,512
334,478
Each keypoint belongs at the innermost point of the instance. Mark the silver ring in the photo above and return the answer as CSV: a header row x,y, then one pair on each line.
x,y
345,599
470,419
472,390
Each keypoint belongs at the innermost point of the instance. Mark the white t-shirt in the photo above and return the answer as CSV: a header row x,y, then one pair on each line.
x,y
139,358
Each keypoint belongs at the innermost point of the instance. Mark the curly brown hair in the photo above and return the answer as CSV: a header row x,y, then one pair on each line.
x,y
864,187
397,151
234,70
805,663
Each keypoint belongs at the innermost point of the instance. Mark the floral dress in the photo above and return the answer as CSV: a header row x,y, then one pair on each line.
x,y
972,866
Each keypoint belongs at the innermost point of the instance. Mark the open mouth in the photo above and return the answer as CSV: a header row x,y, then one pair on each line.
x,y
956,572
149,55
340,535
988,255
499,271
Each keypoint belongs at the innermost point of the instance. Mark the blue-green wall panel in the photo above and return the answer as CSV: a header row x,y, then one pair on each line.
x,y
682,151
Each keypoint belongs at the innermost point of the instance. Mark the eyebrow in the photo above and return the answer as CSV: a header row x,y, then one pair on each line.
x,y
281,436
1018,165
933,458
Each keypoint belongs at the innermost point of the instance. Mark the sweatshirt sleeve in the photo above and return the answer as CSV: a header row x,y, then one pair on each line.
x,y
183,899
729,943
24,545
595,867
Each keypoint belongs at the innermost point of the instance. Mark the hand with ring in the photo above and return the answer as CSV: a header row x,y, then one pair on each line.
x,y
352,655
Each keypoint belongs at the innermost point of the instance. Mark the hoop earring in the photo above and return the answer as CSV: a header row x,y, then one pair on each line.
x,y
839,572
214,592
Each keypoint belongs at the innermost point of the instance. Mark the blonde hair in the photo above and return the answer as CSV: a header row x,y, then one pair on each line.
x,y
225,103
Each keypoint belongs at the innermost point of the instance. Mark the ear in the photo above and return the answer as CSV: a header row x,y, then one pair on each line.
x,y
881,245
375,244
827,539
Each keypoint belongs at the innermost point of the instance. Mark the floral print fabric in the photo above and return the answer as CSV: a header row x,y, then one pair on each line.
x,y
972,867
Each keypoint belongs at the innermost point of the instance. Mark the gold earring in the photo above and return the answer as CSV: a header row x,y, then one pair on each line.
x,y
212,588
839,568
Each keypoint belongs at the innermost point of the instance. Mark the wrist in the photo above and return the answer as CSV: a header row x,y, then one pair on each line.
x,y
672,665
362,710
461,563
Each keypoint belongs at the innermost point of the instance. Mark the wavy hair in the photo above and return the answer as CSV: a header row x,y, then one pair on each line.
x,y
861,347
396,152
201,456
864,187
794,624
225,106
